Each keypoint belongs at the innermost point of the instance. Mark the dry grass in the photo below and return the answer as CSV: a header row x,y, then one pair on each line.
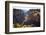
x,y
21,25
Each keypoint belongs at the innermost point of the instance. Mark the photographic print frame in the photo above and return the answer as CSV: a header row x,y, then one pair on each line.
x,y
7,26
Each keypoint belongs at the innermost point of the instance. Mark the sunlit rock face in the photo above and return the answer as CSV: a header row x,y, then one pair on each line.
x,y
36,19
33,18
